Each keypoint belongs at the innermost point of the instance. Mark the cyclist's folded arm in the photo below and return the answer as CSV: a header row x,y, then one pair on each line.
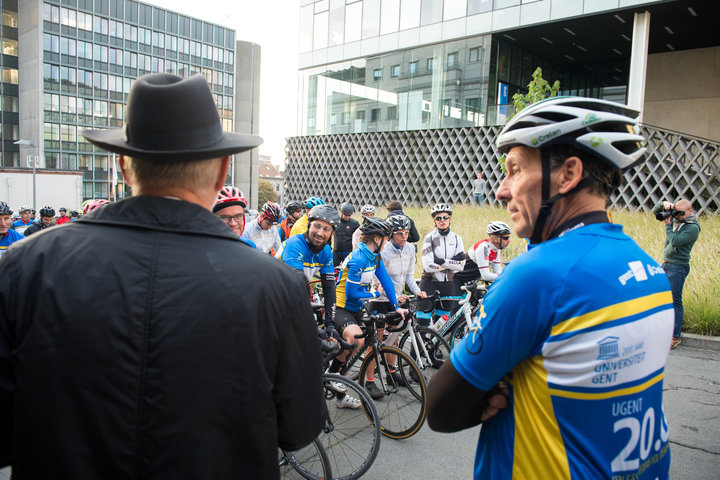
x,y
453,403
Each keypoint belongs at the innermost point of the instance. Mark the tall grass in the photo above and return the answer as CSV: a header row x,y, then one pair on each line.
x,y
702,287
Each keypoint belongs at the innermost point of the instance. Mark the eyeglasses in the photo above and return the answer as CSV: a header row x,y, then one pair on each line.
x,y
504,237
440,218
402,233
238,218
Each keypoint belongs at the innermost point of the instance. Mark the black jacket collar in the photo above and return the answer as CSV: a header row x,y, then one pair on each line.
x,y
162,214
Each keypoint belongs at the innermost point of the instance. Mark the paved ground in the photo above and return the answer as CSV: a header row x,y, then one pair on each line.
x,y
692,406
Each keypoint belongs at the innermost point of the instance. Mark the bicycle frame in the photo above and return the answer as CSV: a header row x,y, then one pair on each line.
x,y
463,313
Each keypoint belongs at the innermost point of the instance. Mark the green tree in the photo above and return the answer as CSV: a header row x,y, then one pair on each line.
x,y
538,89
266,193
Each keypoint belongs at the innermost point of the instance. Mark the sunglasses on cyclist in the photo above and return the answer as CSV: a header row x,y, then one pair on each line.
x,y
504,237
442,217
238,218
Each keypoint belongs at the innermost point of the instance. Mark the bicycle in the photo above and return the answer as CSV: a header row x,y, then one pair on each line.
x,y
310,462
403,413
351,436
425,345
461,320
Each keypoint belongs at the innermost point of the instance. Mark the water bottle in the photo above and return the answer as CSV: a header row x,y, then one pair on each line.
x,y
441,322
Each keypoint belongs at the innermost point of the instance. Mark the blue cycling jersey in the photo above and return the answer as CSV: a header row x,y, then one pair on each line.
x,y
8,239
357,272
298,254
579,326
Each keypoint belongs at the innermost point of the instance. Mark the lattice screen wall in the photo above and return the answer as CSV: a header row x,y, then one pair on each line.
x,y
422,167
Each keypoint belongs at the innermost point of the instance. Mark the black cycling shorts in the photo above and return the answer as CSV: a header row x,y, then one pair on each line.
x,y
343,318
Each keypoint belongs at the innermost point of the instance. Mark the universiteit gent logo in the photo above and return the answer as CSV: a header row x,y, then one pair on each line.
x,y
608,348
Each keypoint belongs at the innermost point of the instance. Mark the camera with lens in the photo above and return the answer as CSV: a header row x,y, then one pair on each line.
x,y
673,212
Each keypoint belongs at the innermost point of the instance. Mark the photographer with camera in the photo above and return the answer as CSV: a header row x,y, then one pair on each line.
x,y
681,232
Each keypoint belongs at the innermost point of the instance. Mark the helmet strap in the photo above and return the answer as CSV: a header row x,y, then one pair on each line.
x,y
547,203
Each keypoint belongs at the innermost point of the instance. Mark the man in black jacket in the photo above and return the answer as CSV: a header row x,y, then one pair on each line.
x,y
165,348
344,233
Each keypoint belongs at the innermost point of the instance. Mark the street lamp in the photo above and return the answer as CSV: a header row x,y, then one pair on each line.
x,y
28,143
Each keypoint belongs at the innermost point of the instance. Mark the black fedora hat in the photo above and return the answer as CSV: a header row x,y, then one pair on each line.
x,y
171,118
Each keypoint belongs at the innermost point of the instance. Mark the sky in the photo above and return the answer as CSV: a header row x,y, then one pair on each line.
x,y
272,24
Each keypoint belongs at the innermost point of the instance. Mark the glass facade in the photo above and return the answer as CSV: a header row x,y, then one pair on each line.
x,y
434,86
91,53
422,78
9,119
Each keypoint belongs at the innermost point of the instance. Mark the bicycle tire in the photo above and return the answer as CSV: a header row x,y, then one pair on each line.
x,y
436,353
458,333
402,410
311,462
351,437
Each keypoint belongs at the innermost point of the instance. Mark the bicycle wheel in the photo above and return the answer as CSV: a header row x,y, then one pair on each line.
x,y
433,356
310,462
458,333
402,409
351,437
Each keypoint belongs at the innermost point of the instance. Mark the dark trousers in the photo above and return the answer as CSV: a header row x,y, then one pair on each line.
x,y
677,273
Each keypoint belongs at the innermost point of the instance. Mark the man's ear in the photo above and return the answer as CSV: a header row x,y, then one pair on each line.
x,y
123,169
222,174
569,174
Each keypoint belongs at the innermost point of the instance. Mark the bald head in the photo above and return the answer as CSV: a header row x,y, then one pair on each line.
x,y
685,205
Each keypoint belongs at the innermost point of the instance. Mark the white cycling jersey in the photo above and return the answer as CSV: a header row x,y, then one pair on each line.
x,y
400,265
449,248
265,240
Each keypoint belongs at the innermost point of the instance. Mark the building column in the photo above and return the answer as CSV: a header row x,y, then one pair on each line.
x,y
638,61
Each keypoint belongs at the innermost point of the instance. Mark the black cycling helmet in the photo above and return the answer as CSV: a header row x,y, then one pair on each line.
x,y
292,207
375,226
347,208
47,212
74,213
398,222
325,213
5,209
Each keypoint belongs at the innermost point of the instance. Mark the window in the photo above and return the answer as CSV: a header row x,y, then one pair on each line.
x,y
51,43
452,59
84,50
100,53
413,67
360,115
475,55
377,74
67,46
395,71
9,47
68,17
85,21
100,25
51,13
9,104
131,33
52,102
68,104
430,64
392,113
115,29
374,114
10,75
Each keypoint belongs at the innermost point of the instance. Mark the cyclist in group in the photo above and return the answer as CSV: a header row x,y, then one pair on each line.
x,y
293,210
261,231
63,218
344,233
484,259
354,286
229,207
394,207
578,326
366,210
90,205
301,224
398,256
310,253
443,255
8,236
24,221
47,215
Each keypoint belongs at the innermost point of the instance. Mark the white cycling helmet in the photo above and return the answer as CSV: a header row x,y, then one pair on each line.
x,y
439,208
367,209
498,228
606,130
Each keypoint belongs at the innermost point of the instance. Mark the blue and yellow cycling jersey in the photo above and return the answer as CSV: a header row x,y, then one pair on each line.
x,y
298,254
355,277
580,326
8,239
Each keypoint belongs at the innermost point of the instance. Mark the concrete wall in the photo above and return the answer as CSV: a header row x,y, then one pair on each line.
x,y
55,188
682,92
30,74
247,116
